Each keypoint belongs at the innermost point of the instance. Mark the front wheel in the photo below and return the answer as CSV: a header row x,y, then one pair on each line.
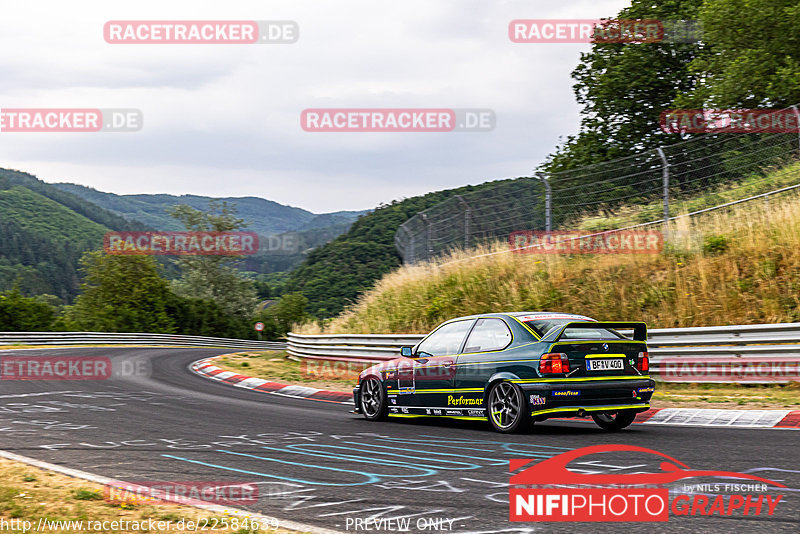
x,y
374,404
614,420
507,408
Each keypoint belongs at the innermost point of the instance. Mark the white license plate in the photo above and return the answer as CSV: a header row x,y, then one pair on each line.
x,y
605,364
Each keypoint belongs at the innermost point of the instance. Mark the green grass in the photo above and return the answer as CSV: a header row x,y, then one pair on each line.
x,y
277,367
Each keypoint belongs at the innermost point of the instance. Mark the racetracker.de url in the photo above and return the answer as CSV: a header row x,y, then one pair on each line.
x,y
212,524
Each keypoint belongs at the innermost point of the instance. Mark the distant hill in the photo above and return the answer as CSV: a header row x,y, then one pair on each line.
x,y
45,228
44,231
335,274
265,216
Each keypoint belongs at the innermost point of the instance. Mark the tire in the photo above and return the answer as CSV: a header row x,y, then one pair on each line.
x,y
373,400
614,420
506,408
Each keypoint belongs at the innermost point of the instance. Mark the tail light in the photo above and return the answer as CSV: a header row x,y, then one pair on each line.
x,y
643,363
554,362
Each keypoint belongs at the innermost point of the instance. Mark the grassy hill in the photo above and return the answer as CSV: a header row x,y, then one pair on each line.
x,y
81,206
44,231
735,266
334,275
264,216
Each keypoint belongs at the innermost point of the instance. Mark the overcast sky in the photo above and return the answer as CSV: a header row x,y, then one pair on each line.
x,y
224,120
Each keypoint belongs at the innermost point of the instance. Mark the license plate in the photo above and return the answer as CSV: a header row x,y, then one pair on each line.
x,y
605,364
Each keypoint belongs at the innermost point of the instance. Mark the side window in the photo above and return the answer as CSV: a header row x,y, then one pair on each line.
x,y
446,340
488,334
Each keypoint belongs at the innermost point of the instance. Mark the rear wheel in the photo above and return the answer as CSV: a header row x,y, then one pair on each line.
x,y
614,420
506,408
374,404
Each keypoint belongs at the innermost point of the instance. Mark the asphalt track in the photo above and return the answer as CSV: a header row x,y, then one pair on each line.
x,y
317,464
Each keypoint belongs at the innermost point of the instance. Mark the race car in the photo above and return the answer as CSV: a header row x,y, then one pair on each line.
x,y
515,369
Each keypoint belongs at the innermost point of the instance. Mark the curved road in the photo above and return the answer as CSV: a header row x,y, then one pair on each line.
x,y
316,463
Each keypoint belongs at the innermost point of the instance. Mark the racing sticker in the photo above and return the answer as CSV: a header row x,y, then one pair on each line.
x,y
537,400
463,401
566,393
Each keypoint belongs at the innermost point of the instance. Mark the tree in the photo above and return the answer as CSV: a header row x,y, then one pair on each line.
x,y
121,294
214,277
24,314
756,59
197,317
623,88
289,311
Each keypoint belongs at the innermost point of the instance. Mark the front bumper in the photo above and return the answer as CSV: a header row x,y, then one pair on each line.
x,y
357,398
584,397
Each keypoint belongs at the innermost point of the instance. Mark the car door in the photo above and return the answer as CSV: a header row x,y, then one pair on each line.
x,y
477,363
434,366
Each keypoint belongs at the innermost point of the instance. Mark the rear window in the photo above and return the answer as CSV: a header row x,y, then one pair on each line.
x,y
543,327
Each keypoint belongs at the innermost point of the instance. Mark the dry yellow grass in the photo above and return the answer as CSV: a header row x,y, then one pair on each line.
x,y
734,266
29,494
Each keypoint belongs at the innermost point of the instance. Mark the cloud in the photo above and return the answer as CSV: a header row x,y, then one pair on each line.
x,y
224,119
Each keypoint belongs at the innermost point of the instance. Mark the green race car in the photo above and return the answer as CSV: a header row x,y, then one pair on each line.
x,y
514,369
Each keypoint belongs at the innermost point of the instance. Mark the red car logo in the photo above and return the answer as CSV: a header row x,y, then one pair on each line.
x,y
554,470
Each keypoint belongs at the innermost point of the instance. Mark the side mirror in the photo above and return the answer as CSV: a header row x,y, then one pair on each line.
x,y
406,352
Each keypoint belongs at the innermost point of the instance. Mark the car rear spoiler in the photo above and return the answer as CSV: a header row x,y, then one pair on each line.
x,y
639,329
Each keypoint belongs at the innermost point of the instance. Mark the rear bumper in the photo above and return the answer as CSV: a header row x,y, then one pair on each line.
x,y
581,398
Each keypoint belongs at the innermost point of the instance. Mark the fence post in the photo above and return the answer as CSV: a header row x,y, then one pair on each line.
x,y
665,174
410,250
467,213
548,195
797,116
428,251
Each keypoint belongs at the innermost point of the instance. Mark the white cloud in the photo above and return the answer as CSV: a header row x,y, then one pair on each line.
x,y
224,119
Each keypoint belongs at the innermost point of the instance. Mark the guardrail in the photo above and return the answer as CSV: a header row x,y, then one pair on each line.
x,y
761,353
101,338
